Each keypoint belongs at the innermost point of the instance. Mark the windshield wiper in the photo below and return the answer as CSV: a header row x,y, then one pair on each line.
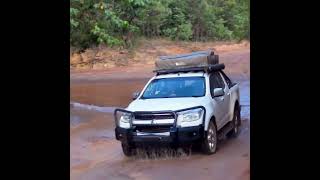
x,y
170,97
156,97
180,96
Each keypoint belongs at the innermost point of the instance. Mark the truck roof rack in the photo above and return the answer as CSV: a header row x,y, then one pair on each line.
x,y
206,61
209,69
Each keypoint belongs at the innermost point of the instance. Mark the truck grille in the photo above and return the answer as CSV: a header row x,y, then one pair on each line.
x,y
153,122
154,116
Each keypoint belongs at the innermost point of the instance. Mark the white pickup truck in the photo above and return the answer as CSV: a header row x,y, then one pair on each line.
x,y
189,105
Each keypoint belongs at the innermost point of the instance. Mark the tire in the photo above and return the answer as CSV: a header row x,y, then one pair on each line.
x,y
209,144
127,149
236,124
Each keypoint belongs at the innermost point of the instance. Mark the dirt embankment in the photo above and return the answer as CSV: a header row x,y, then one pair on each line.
x,y
144,53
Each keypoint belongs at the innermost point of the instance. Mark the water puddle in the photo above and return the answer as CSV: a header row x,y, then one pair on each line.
x,y
101,136
92,107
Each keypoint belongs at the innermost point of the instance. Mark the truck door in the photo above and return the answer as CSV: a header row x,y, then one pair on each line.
x,y
232,92
227,99
219,103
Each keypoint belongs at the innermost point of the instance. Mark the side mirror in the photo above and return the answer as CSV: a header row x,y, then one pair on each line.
x,y
218,92
135,95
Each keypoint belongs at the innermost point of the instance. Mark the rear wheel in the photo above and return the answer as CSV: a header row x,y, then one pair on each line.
x,y
236,124
127,149
209,144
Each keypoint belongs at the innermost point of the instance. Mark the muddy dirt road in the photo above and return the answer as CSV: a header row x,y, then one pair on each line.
x,y
95,154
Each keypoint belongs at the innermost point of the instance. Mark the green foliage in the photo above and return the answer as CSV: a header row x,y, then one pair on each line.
x,y
119,22
103,37
152,17
182,32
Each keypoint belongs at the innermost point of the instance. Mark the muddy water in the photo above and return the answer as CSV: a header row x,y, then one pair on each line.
x,y
95,154
106,92
118,93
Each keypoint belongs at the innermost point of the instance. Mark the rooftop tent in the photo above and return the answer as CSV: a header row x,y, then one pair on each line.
x,y
191,60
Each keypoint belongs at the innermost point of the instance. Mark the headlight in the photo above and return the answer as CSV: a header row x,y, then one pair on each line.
x,y
191,117
123,119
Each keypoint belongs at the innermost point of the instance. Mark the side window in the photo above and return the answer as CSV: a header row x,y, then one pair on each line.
x,y
216,82
228,81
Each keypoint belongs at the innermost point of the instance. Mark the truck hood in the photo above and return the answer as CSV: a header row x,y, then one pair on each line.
x,y
165,104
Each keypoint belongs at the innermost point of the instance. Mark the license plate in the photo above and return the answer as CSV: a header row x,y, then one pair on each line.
x,y
153,134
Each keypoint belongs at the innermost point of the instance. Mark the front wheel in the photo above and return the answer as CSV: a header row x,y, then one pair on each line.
x,y
209,144
127,149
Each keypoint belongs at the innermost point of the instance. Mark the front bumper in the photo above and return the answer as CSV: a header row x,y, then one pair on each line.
x,y
173,135
177,136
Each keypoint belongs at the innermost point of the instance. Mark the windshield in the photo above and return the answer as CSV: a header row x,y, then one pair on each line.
x,y
175,87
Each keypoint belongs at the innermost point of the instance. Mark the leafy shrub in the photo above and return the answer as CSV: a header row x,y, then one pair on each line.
x,y
119,22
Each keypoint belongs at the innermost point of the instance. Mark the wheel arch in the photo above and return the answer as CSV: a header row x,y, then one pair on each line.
x,y
213,119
